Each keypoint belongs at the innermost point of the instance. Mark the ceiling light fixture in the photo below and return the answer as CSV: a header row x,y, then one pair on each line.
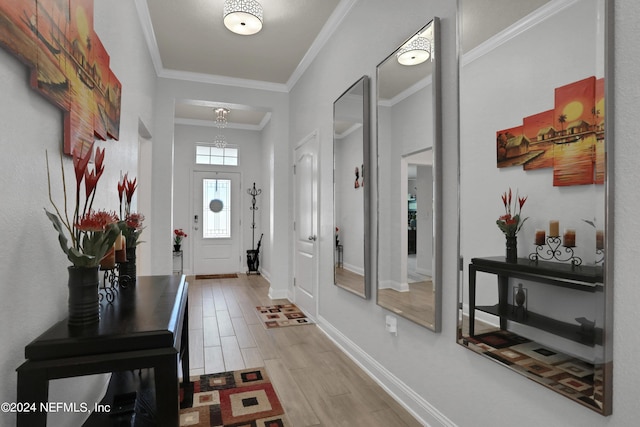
x,y
221,116
220,141
242,16
220,119
415,51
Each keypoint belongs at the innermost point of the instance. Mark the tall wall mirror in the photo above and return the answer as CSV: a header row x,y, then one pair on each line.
x,y
351,147
536,163
409,137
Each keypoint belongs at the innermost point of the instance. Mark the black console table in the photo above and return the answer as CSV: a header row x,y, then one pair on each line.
x,y
146,326
581,278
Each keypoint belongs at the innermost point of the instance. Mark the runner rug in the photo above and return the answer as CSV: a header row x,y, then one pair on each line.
x,y
231,399
217,276
278,316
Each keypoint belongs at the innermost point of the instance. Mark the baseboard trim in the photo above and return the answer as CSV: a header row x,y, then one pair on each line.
x,y
278,293
418,407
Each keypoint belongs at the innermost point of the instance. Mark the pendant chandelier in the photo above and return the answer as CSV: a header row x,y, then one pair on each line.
x,y
220,119
242,16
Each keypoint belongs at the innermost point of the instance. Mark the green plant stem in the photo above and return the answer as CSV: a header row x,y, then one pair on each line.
x,y
64,221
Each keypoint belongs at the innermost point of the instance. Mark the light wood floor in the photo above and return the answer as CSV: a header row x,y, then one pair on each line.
x,y
417,304
349,280
317,384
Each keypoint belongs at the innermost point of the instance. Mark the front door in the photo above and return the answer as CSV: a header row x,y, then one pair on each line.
x,y
306,224
216,225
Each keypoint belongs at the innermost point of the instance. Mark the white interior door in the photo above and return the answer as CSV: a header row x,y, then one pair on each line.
x,y
306,224
216,223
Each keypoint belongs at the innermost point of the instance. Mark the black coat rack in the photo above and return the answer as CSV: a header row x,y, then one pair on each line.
x,y
253,261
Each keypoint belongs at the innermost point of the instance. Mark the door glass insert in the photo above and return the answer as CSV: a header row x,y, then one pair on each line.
x,y
216,225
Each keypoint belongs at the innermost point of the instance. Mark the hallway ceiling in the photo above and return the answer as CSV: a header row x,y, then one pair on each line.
x,y
188,41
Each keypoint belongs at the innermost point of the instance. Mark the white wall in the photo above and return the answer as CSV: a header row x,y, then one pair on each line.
x,y
443,382
277,164
436,377
350,200
494,98
417,358
406,128
424,220
34,277
250,170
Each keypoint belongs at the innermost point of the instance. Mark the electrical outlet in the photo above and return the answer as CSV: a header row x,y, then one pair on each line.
x,y
391,325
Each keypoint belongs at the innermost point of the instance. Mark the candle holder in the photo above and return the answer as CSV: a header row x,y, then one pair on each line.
x,y
551,251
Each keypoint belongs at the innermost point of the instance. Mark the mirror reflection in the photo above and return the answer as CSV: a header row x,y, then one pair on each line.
x,y
408,129
351,154
535,287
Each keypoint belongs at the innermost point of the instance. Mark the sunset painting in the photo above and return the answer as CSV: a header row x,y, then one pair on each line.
x,y
69,65
573,160
540,129
569,138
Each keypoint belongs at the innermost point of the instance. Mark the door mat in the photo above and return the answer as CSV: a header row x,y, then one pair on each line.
x,y
216,276
234,398
278,316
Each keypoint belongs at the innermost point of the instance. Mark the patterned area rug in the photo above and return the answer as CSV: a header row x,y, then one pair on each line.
x,y
231,399
567,375
278,316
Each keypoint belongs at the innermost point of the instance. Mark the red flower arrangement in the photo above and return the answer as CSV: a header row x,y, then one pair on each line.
x,y
178,235
511,222
92,233
131,224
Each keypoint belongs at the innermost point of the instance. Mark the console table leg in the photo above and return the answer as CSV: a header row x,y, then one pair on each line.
x,y
167,391
33,388
472,300
503,301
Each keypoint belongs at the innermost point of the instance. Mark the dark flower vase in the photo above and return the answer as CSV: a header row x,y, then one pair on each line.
x,y
512,248
128,269
176,248
84,305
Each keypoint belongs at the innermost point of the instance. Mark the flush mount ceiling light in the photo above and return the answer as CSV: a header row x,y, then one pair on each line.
x,y
415,51
242,16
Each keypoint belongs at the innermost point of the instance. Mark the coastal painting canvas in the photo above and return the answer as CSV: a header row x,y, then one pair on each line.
x,y
573,160
69,65
568,138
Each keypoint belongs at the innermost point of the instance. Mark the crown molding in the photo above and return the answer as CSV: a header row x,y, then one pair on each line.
x,y
149,35
328,29
334,21
524,24
230,125
222,80
421,84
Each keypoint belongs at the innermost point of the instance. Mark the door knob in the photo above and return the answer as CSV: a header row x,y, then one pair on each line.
x,y
312,238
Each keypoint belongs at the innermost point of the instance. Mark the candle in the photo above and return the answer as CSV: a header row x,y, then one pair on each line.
x,y
554,228
119,242
599,239
540,237
569,238
109,260
121,255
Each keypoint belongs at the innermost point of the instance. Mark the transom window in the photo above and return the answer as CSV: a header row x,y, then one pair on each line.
x,y
212,155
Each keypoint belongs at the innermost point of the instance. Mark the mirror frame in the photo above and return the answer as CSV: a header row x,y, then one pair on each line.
x,y
366,164
608,207
436,274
